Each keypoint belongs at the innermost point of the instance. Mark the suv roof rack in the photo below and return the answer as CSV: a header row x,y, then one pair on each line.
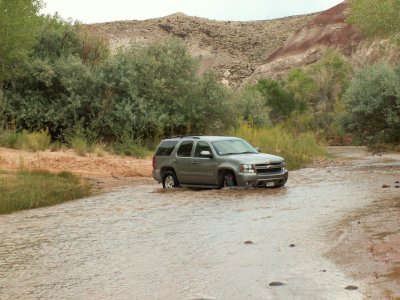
x,y
195,136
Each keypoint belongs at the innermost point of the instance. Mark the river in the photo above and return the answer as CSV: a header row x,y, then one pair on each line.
x,y
143,242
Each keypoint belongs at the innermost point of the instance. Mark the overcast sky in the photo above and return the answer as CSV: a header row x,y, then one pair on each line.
x,y
94,11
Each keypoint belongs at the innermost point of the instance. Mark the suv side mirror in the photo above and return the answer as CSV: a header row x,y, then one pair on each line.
x,y
206,154
258,149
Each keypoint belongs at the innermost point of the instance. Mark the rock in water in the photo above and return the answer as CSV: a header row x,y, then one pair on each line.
x,y
276,283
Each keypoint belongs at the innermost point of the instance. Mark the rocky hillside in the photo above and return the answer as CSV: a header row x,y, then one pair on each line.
x,y
242,52
233,50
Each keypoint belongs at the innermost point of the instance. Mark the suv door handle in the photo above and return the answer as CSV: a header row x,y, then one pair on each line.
x,y
195,162
175,161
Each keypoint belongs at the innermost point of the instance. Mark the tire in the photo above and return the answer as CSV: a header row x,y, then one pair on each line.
x,y
169,180
227,179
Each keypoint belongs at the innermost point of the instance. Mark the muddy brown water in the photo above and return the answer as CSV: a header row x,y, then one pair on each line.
x,y
146,243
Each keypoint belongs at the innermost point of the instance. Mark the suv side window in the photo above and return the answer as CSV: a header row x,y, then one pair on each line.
x,y
166,148
201,146
185,149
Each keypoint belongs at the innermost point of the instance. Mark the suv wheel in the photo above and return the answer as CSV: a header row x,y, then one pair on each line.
x,y
227,179
169,180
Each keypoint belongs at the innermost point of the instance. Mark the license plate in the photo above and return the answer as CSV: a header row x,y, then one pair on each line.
x,y
270,184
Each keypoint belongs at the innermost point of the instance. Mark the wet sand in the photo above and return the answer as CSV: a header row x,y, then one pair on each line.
x,y
367,241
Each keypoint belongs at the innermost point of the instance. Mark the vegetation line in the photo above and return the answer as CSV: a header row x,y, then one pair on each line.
x,y
32,189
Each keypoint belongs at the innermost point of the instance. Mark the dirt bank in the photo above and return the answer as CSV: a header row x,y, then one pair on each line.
x,y
367,243
368,248
106,172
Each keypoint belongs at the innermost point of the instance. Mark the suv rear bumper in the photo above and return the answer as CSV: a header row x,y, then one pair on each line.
x,y
258,180
156,175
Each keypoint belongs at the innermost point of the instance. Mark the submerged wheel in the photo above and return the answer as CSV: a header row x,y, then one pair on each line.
x,y
169,180
227,179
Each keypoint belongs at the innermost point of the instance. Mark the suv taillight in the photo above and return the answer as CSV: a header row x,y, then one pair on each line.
x,y
154,162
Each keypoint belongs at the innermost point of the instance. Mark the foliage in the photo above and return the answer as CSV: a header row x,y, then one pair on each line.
x,y
80,145
278,98
250,106
56,38
297,150
375,18
18,32
126,145
309,99
32,189
373,101
147,92
36,141
95,48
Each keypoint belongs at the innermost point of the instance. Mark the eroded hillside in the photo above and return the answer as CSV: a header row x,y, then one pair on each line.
x,y
242,52
232,49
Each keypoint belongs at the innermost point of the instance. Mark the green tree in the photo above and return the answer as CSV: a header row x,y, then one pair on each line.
x,y
332,75
304,89
278,98
18,31
375,17
250,106
19,22
373,101
56,38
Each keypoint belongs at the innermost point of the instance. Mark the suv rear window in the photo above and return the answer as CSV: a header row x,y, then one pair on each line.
x,y
185,149
166,148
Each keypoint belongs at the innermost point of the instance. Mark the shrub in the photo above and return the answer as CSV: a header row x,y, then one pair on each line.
x,y
80,145
297,150
35,141
130,147
39,141
8,139
373,101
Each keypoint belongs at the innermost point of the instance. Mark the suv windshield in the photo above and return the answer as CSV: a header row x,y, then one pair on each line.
x,y
231,147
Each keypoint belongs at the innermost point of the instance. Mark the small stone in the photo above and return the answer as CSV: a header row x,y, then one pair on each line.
x,y
323,271
397,182
397,186
385,186
248,243
276,283
358,222
351,288
292,245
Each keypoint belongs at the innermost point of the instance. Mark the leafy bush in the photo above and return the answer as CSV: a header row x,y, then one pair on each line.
x,y
375,17
250,106
8,139
298,150
36,141
373,101
80,145
149,92
130,147
39,141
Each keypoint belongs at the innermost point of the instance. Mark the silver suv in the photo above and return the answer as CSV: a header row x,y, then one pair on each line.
x,y
215,162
